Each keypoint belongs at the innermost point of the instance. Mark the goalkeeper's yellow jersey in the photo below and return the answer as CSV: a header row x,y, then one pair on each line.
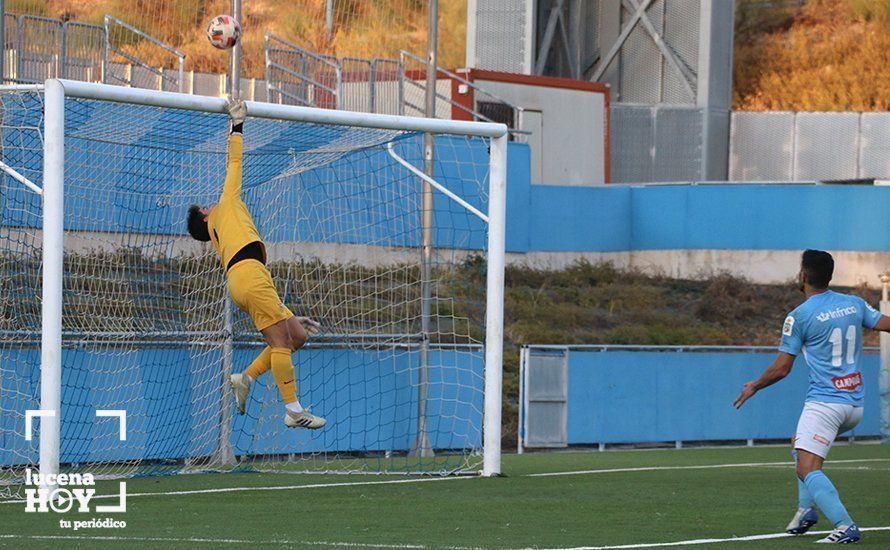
x,y
230,225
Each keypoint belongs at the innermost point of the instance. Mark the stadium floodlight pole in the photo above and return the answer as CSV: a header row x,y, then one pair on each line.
x,y
51,308
422,445
235,56
2,41
329,18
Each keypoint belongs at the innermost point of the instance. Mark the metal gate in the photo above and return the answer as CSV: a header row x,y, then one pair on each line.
x,y
543,402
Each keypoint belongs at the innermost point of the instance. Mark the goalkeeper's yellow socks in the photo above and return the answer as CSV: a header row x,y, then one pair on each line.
x,y
260,365
283,371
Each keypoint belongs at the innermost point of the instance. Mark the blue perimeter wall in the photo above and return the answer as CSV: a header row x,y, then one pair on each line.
x,y
640,396
616,218
606,218
369,398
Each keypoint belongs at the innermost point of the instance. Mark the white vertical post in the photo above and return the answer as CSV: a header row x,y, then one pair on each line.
x,y
494,319
51,313
520,432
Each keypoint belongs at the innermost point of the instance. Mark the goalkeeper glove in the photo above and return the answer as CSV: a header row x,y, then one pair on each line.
x,y
237,113
312,326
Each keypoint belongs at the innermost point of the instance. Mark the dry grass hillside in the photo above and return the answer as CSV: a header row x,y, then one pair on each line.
x,y
824,55
363,28
789,54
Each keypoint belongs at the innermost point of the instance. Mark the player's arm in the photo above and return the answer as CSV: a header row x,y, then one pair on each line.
x,y
789,348
883,324
872,318
232,187
775,372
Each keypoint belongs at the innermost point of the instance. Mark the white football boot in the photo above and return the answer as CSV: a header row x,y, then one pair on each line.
x,y
304,419
240,388
844,534
802,521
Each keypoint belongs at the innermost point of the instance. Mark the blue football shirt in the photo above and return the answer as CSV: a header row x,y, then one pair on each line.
x,y
827,329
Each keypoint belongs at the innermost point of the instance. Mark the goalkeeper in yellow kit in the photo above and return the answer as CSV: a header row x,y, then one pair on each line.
x,y
230,228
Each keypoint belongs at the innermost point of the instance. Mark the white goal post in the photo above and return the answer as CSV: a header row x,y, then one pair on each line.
x,y
55,94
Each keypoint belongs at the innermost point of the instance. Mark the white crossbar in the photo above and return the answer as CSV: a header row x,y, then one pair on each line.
x,y
105,92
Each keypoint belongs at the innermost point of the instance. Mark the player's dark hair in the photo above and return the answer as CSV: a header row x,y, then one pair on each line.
x,y
818,266
197,224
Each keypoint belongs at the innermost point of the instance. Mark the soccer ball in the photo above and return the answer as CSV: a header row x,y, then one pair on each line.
x,y
223,32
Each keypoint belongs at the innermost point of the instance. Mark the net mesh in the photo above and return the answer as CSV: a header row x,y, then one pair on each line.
x,y
148,327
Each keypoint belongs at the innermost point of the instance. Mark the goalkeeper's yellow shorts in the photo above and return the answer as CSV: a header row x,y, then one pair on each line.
x,y
253,291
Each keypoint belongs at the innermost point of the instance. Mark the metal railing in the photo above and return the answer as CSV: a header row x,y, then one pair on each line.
x,y
419,85
42,48
357,84
386,86
42,59
294,73
128,76
39,48
83,47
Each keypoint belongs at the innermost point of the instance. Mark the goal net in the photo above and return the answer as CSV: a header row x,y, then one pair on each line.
x,y
146,324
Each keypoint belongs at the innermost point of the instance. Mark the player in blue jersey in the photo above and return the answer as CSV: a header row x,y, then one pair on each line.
x,y
827,329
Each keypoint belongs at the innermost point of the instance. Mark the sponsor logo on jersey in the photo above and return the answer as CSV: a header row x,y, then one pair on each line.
x,y
836,313
849,382
788,326
821,439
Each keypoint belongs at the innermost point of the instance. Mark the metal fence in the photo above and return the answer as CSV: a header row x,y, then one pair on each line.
x,y
39,48
655,143
486,106
38,43
357,84
386,86
125,68
84,51
297,76
809,146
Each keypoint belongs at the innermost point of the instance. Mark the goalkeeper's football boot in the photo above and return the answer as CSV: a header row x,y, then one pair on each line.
x,y
802,521
240,388
842,535
304,419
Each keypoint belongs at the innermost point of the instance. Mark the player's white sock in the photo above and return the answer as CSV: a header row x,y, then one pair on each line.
x,y
294,407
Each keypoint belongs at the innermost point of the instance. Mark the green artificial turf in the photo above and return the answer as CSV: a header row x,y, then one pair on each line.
x,y
518,510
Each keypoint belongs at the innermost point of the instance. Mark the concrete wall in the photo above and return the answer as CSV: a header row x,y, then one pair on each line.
x,y
568,126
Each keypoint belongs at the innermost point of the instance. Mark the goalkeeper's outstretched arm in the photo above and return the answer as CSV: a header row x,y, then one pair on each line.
x,y
232,187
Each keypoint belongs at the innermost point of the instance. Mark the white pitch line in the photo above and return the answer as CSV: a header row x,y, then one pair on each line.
x,y
214,541
410,546
710,541
274,488
699,467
